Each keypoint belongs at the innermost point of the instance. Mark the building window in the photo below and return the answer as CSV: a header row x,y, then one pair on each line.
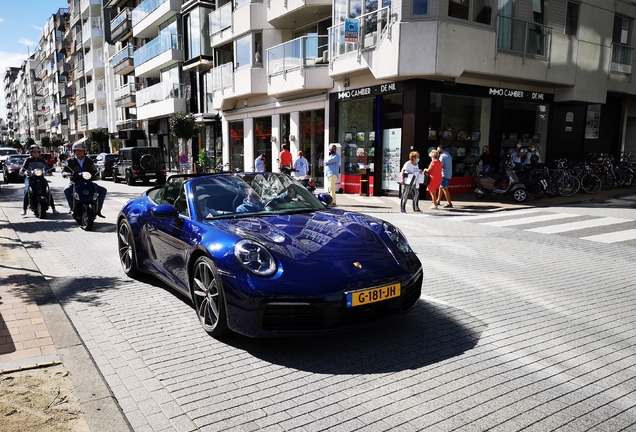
x,y
236,146
243,51
622,52
621,30
476,10
420,7
572,18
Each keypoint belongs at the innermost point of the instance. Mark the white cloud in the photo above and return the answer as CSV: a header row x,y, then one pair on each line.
x,y
27,42
37,27
1,20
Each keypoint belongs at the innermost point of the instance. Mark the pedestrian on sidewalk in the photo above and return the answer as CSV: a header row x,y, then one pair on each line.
x,y
332,167
447,174
435,171
408,177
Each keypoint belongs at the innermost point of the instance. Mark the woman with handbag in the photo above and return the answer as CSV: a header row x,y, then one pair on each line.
x,y
434,170
411,170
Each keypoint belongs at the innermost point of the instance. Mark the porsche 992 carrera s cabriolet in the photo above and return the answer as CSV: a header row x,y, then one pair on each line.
x,y
260,255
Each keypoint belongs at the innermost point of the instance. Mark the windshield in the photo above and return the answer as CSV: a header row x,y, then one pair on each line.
x,y
110,158
37,165
18,160
4,152
229,195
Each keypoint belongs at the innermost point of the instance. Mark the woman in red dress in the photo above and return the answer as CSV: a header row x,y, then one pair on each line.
x,y
435,171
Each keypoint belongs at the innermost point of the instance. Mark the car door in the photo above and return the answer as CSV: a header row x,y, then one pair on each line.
x,y
170,239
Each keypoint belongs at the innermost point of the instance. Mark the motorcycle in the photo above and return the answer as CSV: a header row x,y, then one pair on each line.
x,y
490,184
307,181
39,193
85,196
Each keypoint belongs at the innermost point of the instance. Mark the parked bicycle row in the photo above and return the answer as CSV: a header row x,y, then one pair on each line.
x,y
562,177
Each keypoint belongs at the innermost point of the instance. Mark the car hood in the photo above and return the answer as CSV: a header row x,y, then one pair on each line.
x,y
339,244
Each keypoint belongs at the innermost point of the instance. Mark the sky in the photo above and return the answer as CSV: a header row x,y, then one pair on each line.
x,y
21,24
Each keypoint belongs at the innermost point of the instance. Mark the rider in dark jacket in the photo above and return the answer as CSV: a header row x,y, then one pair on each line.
x,y
35,157
75,165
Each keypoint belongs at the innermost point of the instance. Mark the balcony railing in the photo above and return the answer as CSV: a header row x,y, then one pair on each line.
x,y
159,92
131,123
524,37
127,52
373,27
295,54
95,86
223,77
221,19
157,46
124,15
144,9
622,59
126,90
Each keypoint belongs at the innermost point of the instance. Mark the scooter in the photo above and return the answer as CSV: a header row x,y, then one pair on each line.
x,y
85,197
307,181
489,184
39,192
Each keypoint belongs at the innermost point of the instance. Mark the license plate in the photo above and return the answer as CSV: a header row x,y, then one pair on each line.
x,y
360,298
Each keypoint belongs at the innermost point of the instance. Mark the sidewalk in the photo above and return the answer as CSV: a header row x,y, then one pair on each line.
x,y
469,203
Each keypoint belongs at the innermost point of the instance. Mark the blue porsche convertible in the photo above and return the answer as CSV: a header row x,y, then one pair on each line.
x,y
260,255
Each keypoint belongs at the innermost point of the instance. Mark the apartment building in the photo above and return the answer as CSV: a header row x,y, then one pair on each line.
x,y
10,77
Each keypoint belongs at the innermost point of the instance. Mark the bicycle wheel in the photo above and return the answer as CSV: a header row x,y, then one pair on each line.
x,y
590,183
569,185
607,180
535,189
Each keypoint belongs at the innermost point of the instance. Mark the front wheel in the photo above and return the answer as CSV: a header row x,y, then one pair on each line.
x,y
88,217
40,210
479,194
126,246
520,195
115,178
208,298
590,183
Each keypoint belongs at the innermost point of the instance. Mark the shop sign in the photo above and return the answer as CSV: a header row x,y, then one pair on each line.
x,y
516,94
367,91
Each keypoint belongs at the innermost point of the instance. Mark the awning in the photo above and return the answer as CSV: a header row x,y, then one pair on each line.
x,y
81,141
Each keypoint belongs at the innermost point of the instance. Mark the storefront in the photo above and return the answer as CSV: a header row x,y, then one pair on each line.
x,y
379,126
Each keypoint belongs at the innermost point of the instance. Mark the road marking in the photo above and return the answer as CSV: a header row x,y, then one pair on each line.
x,y
573,226
496,215
614,237
531,219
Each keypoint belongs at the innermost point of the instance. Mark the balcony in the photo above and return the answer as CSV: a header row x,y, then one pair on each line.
x,y
125,96
226,25
298,65
40,71
81,95
131,123
160,53
227,85
92,31
121,25
94,62
96,91
82,123
286,14
373,26
160,100
63,68
94,5
97,119
524,38
79,69
622,59
124,61
150,13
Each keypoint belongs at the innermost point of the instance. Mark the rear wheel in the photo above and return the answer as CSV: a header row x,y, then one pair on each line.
x,y
479,194
130,180
520,195
126,246
536,190
115,178
208,298
569,186
590,183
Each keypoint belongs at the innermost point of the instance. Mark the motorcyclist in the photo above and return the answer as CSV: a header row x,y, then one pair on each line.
x,y
35,152
76,165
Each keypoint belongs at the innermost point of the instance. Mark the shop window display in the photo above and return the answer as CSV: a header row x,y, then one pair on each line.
x,y
357,137
525,122
236,146
461,125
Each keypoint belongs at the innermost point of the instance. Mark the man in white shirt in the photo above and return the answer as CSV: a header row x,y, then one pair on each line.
x,y
301,165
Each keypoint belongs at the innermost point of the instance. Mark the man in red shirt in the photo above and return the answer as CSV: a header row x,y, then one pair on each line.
x,y
285,157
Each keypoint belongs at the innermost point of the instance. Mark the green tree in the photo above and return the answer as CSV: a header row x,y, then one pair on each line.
x,y
99,139
56,142
45,142
184,127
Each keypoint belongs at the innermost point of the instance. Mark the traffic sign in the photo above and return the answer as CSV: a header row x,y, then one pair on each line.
x,y
183,159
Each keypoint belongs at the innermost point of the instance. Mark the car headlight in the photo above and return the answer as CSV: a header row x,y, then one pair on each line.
x,y
255,258
397,237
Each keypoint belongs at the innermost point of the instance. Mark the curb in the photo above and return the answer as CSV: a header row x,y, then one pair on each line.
x,y
100,408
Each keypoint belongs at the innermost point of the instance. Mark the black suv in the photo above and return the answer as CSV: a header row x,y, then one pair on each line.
x,y
139,163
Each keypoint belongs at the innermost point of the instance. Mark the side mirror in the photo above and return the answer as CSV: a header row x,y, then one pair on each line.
x,y
165,211
326,199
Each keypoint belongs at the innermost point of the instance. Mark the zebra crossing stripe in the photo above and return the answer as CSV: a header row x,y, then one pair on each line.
x,y
614,237
573,226
496,215
531,219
